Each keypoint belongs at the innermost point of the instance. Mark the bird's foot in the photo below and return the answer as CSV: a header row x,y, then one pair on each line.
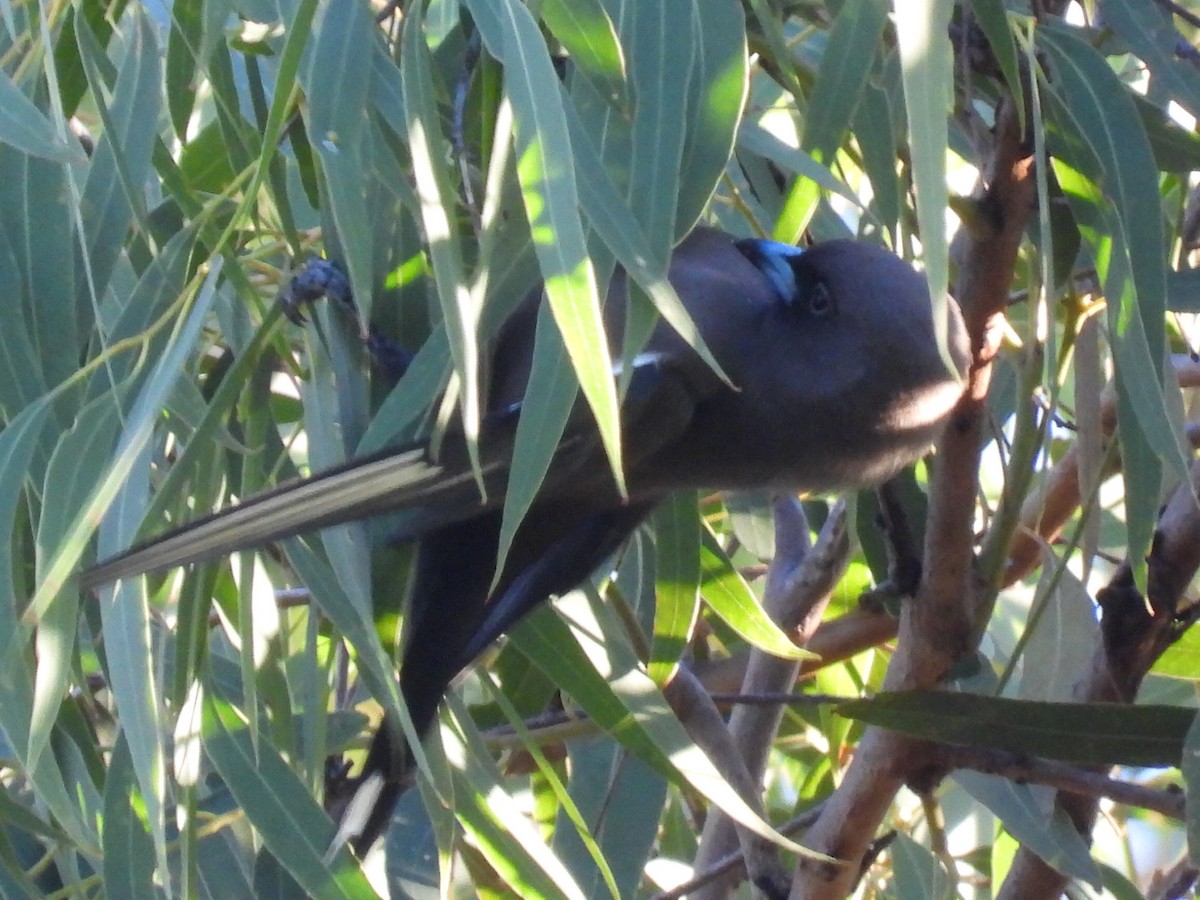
x,y
339,785
319,278
325,278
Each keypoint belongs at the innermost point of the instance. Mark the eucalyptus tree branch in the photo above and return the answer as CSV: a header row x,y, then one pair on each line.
x,y
704,724
800,582
734,864
1135,630
1078,780
1176,883
1049,508
937,626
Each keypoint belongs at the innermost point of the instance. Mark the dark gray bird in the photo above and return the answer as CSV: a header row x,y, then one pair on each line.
x,y
838,383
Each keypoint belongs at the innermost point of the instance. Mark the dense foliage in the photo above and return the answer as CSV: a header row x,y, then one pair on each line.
x,y
164,168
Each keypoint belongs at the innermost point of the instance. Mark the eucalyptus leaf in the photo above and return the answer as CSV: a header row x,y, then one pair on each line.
x,y
292,826
677,573
23,126
1045,830
1085,733
128,847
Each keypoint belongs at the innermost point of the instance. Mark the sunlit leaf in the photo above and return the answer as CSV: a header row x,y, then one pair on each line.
x,y
926,65
587,33
677,573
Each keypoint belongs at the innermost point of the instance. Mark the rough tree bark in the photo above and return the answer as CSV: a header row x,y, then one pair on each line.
x,y
939,625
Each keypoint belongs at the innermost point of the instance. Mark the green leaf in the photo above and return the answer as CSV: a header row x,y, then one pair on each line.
x,y
77,463
1028,814
927,68
1085,733
992,17
354,622
717,91
1175,150
429,150
120,164
590,659
1182,658
204,161
507,837
1141,470
875,128
660,71
21,382
545,168
299,29
918,873
677,580
1119,886
406,406
841,79
68,68
755,139
1107,171
18,442
616,224
127,846
22,125
292,826
546,408
1150,33
548,775
623,799
1124,190
271,879
183,46
1063,640
588,35
730,597
1146,430
336,82
752,521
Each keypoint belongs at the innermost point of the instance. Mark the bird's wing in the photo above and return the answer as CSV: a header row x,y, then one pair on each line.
x,y
568,560
657,409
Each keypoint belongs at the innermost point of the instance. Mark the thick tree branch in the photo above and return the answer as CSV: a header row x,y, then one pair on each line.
x,y
1134,632
799,584
937,627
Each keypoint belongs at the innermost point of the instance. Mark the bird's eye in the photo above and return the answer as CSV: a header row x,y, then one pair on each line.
x,y
820,301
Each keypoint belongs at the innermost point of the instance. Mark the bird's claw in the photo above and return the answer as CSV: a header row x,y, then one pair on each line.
x,y
339,785
324,278
319,278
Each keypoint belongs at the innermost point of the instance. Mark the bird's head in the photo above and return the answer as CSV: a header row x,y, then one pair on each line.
x,y
858,353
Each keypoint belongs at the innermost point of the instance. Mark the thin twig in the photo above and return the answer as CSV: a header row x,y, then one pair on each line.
x,y
733,862
1064,777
